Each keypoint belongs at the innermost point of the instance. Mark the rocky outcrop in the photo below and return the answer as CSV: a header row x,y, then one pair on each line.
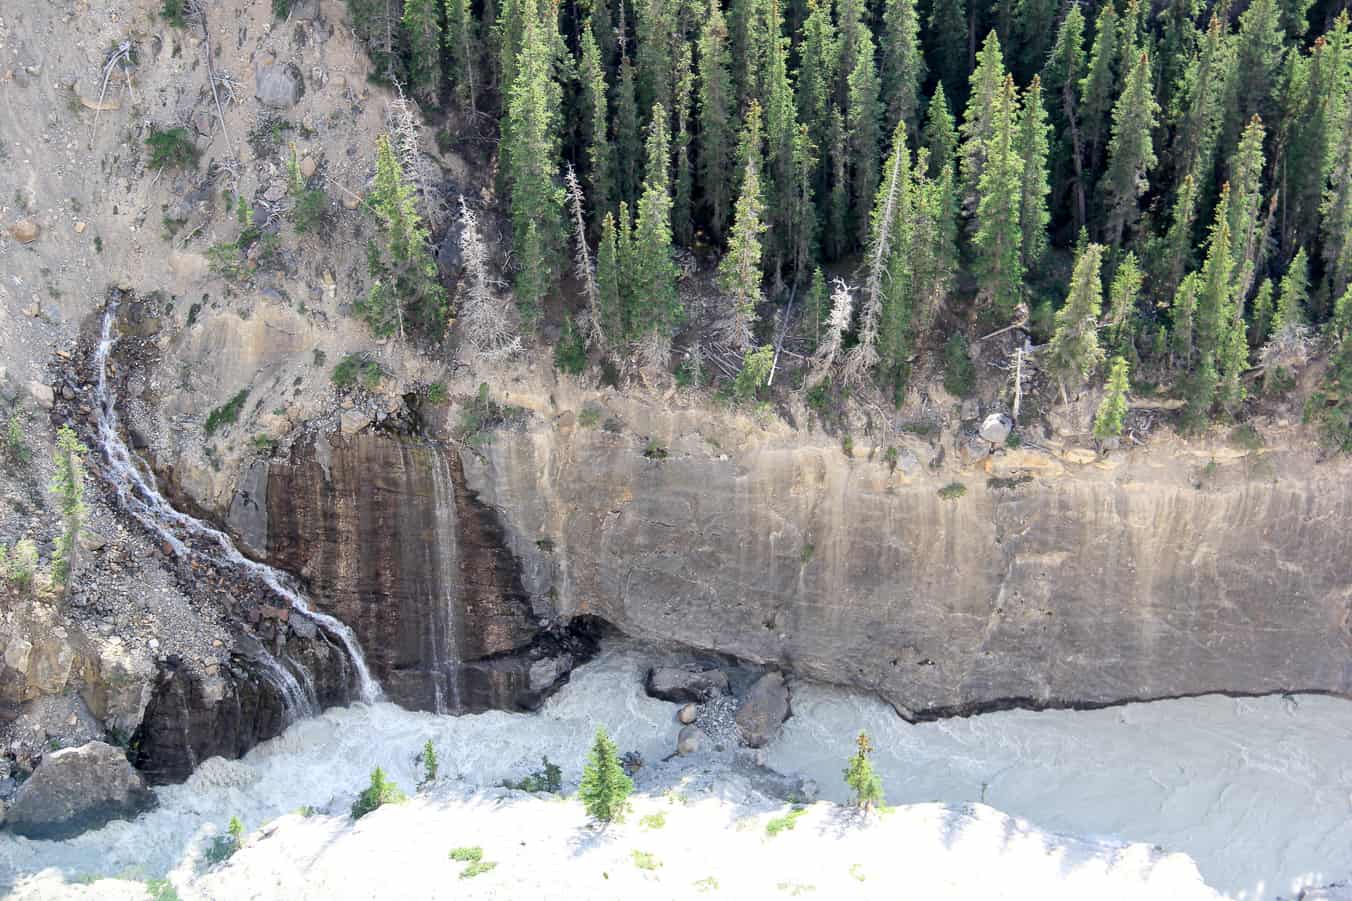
x,y
763,710
680,686
76,789
391,541
1046,583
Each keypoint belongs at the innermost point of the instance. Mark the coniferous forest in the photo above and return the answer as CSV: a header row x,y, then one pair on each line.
x,y
1157,194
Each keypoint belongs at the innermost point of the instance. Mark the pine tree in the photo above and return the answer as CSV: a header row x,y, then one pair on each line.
x,y
817,307
1074,350
946,41
862,781
422,30
863,119
739,274
429,763
903,65
934,256
1200,110
628,146
406,291
1262,315
1183,336
988,80
1096,86
999,237
464,52
654,27
604,788
815,91
1315,98
1246,173
941,137
1032,147
595,136
610,286
683,183
1337,209
532,161
1122,295
1259,50
1131,154
1172,254
838,201
1033,21
1293,295
1065,68
715,121
68,486
656,306
1216,323
1112,409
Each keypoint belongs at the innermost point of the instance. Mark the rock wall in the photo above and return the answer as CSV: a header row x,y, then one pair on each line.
x,y
390,540
1150,574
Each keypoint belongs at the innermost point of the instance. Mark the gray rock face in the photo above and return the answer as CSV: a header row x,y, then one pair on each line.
x,y
76,789
1083,586
279,86
763,710
682,686
996,427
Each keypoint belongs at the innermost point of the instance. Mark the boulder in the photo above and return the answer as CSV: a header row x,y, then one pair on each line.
x,y
42,395
25,231
689,740
686,715
279,86
996,428
763,709
76,789
682,686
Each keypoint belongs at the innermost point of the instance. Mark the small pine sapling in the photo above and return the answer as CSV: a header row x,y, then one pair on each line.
x,y
605,788
859,776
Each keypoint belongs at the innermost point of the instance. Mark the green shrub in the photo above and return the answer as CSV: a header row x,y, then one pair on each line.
x,y
265,443
161,890
860,777
952,491
645,861
847,445
654,820
654,450
436,394
429,762
1246,437
755,370
225,846
379,792
16,450
549,778
311,212
172,149
959,373
570,354
784,823
357,369
20,566
172,12
590,417
227,413
468,854
477,868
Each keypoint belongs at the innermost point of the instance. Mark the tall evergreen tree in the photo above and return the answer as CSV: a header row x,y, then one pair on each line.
x,y
1074,350
715,120
1246,174
1262,314
988,79
1314,97
422,30
903,65
683,186
1215,324
1032,147
1198,115
1131,154
739,274
1336,227
1065,68
946,42
628,145
464,52
1097,86
941,136
532,167
657,307
1033,32
1122,295
1112,409
999,236
1259,51
863,119
815,91
595,129
610,286
1293,295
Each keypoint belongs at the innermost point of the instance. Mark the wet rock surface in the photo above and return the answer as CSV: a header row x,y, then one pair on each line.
x,y
76,789
762,710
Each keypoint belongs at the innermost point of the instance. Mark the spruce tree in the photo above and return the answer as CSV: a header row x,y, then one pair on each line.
x,y
988,80
903,65
1074,350
815,92
1122,296
1199,110
422,30
595,127
532,168
1112,409
604,788
1259,50
628,145
610,287
1262,315
1131,154
1336,227
1183,309
1097,86
1216,324
715,121
999,237
934,255
656,306
817,307
863,782
896,325
1061,78
739,274
464,52
1033,31
946,43
683,179
863,120
68,486
1033,188
1246,173
941,136
1293,295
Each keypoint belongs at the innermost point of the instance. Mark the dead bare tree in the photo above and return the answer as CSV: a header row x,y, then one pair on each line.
x,y
402,119
864,356
485,316
582,260
837,324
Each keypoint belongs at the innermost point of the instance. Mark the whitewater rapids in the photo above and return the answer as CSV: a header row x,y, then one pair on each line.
x,y
1200,798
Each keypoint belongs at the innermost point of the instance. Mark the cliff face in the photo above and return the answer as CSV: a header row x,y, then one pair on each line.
x,y
1046,584
390,540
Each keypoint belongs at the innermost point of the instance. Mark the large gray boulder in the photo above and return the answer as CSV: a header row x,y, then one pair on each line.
x,y
682,686
76,789
763,709
279,86
996,428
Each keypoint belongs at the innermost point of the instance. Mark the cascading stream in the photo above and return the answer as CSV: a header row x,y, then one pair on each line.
x,y
138,495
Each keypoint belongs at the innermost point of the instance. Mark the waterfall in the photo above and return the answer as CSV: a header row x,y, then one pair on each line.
x,y
446,656
138,495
